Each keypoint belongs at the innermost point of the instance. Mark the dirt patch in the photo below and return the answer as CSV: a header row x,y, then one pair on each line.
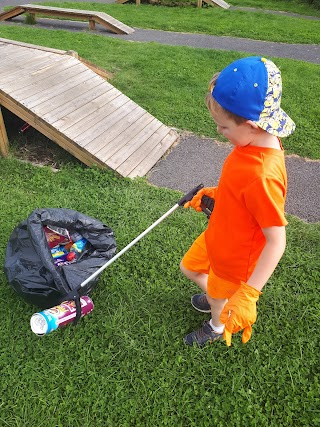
x,y
27,144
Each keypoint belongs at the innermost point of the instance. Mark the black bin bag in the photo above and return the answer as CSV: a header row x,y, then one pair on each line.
x,y
29,265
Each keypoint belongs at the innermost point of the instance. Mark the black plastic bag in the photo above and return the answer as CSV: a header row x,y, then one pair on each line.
x,y
29,265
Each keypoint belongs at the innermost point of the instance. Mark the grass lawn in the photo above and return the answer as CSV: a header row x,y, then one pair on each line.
x,y
211,20
294,6
125,364
171,81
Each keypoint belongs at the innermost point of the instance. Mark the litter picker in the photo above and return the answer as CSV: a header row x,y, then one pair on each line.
x,y
75,305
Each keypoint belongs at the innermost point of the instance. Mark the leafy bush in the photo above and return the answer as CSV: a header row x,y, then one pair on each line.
x,y
315,3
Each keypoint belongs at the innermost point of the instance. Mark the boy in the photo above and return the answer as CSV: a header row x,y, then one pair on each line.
x,y
245,239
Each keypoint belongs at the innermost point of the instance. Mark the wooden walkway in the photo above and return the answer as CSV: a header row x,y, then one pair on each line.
x,y
78,109
93,17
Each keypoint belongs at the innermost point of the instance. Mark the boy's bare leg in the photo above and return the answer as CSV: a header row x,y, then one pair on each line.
x,y
200,279
216,305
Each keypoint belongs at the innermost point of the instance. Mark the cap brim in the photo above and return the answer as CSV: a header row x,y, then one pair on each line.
x,y
278,124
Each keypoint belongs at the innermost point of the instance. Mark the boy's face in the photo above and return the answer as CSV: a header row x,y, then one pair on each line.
x,y
238,134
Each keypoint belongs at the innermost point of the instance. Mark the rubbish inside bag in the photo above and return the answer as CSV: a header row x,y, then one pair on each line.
x,y
36,262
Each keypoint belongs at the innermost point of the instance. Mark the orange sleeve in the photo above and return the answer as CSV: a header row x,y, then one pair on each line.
x,y
265,199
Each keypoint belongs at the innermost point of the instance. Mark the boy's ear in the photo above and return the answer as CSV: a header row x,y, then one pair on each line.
x,y
253,125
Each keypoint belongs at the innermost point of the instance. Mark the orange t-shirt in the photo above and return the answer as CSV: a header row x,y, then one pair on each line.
x,y
250,196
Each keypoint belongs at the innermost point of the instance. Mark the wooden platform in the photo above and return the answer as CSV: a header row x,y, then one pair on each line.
x,y
93,17
220,3
78,109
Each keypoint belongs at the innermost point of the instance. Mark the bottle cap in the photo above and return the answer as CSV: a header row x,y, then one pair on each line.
x,y
71,256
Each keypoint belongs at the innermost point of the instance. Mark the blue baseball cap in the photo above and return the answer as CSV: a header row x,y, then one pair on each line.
x,y
252,88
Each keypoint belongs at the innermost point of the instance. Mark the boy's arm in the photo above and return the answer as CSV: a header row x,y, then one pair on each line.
x,y
240,311
269,257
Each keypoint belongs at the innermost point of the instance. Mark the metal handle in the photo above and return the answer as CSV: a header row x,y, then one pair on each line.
x,y
181,202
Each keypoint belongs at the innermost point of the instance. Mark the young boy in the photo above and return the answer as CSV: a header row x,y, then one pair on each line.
x,y
245,239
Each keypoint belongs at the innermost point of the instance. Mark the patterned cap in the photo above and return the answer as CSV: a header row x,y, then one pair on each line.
x,y
252,88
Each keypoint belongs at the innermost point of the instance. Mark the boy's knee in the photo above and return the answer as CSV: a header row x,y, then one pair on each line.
x,y
184,270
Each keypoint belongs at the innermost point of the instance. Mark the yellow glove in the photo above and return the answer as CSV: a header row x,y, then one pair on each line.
x,y
240,312
195,202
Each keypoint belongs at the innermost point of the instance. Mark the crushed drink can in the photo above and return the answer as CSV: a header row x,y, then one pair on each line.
x,y
55,317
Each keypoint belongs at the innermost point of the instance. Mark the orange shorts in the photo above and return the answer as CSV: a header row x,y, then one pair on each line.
x,y
196,259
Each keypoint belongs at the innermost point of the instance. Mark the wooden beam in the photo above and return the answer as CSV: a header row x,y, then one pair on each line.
x,y
4,144
51,133
107,21
220,3
12,13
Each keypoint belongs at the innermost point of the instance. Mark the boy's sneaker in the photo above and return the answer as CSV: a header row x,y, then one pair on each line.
x,y
200,303
202,336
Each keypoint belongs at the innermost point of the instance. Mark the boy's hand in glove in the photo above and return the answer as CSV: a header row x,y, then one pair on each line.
x,y
240,312
195,202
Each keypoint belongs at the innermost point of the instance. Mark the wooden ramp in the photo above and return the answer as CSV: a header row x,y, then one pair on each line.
x,y
220,3
93,17
78,109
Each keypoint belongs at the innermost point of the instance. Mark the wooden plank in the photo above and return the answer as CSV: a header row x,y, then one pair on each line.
x,y
141,152
47,131
34,100
220,3
12,44
128,134
115,126
86,116
4,143
58,101
23,61
97,115
131,146
104,19
108,119
121,131
153,156
39,79
36,82
69,101
15,57
21,72
16,11
32,46
87,113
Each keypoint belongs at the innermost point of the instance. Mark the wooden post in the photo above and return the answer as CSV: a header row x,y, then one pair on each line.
x,y
199,3
92,24
73,53
4,143
138,2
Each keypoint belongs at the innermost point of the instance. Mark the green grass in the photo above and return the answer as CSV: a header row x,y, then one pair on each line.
x,y
293,6
214,21
171,82
125,364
